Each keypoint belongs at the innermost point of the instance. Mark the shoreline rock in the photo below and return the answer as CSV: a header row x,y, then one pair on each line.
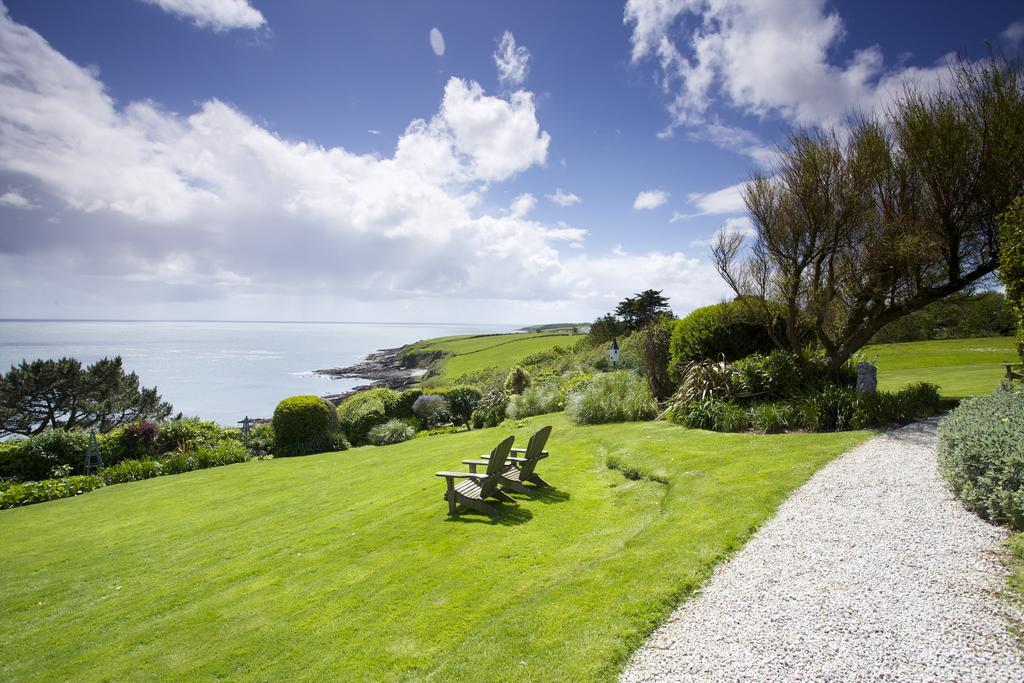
x,y
381,368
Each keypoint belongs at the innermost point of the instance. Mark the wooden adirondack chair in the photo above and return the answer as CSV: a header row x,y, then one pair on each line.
x,y
479,486
519,470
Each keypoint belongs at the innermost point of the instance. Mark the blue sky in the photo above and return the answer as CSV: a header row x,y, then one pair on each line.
x,y
260,160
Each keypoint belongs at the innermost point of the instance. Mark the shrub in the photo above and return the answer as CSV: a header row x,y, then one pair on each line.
x,y
490,410
981,455
229,452
772,418
707,379
358,414
613,397
773,376
261,439
573,383
708,332
403,406
652,350
536,400
34,459
831,410
136,440
188,433
431,409
434,431
710,413
1011,263
302,426
517,380
392,431
31,492
131,470
460,403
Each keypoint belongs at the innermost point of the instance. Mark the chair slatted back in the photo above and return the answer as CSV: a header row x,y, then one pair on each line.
x,y
495,465
533,450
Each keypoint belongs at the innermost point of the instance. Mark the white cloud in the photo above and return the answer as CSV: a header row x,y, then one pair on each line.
x,y
563,198
219,15
437,42
727,200
522,205
650,199
513,61
16,200
732,226
761,59
176,214
373,131
1014,34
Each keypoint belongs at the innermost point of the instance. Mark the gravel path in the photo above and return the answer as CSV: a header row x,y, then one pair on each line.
x,y
872,571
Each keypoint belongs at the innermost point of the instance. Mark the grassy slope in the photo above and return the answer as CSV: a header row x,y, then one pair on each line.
x,y
345,565
471,353
961,367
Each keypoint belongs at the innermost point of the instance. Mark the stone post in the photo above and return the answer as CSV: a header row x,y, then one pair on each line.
x,y
867,378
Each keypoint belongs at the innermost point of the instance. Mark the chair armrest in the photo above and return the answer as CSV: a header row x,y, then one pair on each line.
x,y
519,460
475,462
461,475
523,450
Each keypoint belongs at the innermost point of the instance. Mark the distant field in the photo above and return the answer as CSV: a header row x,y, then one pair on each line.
x,y
472,353
961,367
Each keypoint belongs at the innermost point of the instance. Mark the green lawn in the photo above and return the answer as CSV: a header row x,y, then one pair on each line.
x,y
478,352
345,567
961,367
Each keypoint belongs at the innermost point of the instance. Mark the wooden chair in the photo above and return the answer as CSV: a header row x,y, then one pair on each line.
x,y
519,470
479,486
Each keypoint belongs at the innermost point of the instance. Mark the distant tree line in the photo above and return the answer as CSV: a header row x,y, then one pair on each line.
x,y
631,314
984,314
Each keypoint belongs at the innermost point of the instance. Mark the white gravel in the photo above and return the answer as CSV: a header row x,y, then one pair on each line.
x,y
872,571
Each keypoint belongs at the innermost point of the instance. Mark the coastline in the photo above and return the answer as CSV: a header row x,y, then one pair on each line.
x,y
381,368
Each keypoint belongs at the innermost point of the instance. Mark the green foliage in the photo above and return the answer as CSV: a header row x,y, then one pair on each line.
x,y
261,439
711,413
706,379
574,382
783,375
36,458
985,314
31,492
641,310
137,440
130,470
831,410
437,431
517,380
403,406
188,433
1011,263
981,454
536,400
392,431
713,331
605,328
61,394
772,418
460,401
359,413
652,349
621,396
490,410
302,425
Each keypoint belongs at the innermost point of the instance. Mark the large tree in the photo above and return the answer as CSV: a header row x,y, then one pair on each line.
x,y
858,227
61,394
640,310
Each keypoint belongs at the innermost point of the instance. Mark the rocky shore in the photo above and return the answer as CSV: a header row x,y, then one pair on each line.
x,y
381,368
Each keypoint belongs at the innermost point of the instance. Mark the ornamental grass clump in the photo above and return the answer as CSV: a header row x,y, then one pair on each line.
x,y
536,400
621,396
981,455
392,431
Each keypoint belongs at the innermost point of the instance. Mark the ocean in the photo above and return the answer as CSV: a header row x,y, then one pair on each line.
x,y
221,371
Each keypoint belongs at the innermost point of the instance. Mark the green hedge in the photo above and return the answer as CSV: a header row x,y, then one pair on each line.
x,y
16,495
713,330
304,425
981,455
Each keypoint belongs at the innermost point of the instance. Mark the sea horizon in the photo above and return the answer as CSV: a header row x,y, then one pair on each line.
x,y
222,370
